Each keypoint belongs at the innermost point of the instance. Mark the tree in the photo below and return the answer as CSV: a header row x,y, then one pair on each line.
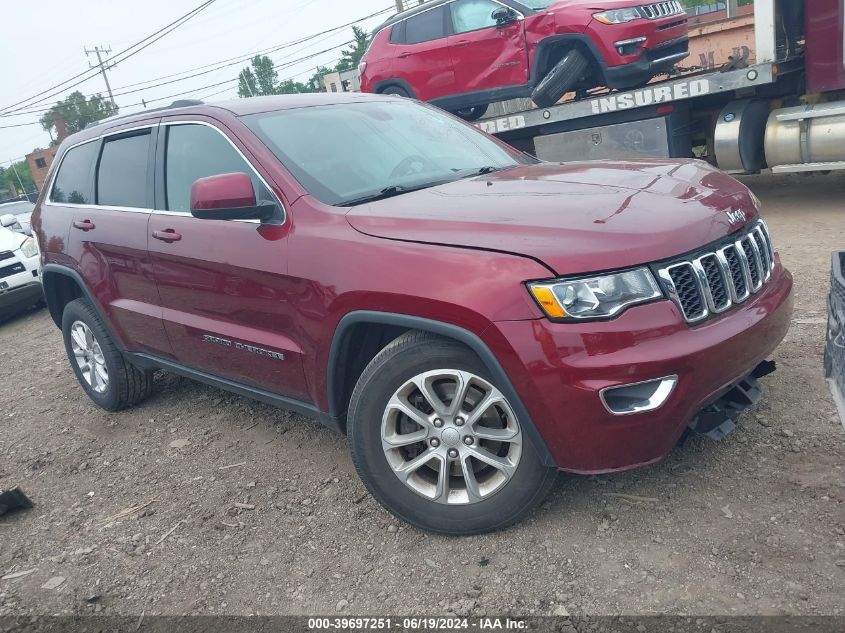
x,y
259,80
78,112
315,84
9,176
351,57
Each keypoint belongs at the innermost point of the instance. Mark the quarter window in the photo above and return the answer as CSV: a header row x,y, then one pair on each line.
x,y
74,182
472,15
426,26
198,151
122,177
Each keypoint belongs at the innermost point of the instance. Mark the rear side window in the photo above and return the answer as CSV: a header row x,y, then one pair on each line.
x,y
426,26
198,151
122,177
75,180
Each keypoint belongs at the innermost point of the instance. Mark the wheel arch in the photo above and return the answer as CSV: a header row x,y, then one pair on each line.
x,y
342,374
549,53
381,86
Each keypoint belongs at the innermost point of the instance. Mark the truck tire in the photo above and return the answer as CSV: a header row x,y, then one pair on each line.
x,y
561,79
100,368
430,459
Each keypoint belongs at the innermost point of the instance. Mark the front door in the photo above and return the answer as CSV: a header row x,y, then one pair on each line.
x,y
223,284
486,55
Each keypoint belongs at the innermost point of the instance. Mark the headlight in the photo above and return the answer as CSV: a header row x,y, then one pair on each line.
x,y
29,248
618,16
598,297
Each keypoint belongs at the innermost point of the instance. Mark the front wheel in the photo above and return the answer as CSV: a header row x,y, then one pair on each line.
x,y
561,79
437,443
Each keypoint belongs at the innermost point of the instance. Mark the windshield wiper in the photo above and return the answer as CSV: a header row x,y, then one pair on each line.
x,y
481,171
390,192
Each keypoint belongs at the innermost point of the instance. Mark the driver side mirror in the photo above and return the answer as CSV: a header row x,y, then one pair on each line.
x,y
228,197
504,16
8,220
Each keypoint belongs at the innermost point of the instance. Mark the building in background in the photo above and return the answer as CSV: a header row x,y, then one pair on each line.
x,y
40,160
346,81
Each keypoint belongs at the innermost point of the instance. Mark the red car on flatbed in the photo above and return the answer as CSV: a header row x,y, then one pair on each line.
x,y
462,55
473,319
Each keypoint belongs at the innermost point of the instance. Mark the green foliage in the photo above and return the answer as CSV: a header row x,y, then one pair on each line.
x,y
8,177
351,57
260,77
78,112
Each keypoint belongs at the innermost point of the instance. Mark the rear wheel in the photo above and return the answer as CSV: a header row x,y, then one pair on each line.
x,y
396,91
100,368
561,79
438,444
472,114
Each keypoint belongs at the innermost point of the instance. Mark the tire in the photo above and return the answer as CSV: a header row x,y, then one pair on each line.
x,y
124,385
396,91
561,79
497,498
472,114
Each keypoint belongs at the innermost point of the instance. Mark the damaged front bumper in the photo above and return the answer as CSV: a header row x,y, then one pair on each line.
x,y
834,353
718,418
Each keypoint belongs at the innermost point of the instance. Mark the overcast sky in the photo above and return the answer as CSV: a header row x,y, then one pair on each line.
x,y
43,44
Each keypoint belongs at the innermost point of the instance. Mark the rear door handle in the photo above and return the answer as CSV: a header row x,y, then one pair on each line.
x,y
167,235
462,43
84,225
404,55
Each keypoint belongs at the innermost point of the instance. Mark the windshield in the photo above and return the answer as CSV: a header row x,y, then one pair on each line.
x,y
346,153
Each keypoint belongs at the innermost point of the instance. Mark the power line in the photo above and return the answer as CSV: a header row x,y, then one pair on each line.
x,y
232,61
143,44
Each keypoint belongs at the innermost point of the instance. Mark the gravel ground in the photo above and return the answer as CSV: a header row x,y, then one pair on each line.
x,y
232,507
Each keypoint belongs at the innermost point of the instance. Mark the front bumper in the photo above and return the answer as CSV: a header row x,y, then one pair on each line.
x,y
560,371
652,62
21,288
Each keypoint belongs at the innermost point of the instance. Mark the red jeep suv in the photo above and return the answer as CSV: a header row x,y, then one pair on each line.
x,y
462,55
474,320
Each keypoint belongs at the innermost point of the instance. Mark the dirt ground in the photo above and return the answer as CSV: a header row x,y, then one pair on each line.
x,y
754,524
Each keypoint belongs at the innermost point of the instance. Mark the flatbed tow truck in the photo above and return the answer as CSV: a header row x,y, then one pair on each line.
x,y
784,111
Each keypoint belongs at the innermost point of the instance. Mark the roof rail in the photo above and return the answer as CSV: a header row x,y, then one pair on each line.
x,y
179,103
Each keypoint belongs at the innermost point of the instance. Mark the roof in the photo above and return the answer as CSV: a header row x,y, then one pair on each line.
x,y
236,107
409,12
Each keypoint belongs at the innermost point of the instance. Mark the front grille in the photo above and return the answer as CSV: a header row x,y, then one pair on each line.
x,y
713,281
14,269
671,25
6,255
662,9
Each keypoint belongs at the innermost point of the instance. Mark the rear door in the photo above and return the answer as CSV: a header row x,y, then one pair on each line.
x,y
484,54
422,54
112,204
224,288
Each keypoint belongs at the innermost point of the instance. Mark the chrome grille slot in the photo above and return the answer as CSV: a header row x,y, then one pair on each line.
x,y
661,9
714,281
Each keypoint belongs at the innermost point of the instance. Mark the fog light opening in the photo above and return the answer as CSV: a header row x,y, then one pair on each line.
x,y
638,397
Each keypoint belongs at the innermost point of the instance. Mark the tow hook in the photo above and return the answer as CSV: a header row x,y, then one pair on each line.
x,y
717,419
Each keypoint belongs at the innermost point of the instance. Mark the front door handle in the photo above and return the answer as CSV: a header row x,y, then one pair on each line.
x,y
84,225
404,55
167,235
462,43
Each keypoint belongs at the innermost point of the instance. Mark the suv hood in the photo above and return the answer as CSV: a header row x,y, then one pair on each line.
x,y
575,218
10,240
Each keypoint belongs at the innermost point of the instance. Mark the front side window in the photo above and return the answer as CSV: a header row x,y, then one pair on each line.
x,y
472,15
194,152
74,182
426,26
345,153
122,177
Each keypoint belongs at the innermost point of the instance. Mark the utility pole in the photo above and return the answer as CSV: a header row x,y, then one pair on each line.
x,y
98,51
17,175
399,6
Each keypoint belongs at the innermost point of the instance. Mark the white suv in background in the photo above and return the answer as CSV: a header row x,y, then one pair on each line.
x,y
20,267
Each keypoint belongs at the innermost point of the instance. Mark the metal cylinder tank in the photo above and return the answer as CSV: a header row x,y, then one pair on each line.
x,y
806,138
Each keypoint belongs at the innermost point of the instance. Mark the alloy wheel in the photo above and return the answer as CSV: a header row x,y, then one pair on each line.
x,y
451,437
89,357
